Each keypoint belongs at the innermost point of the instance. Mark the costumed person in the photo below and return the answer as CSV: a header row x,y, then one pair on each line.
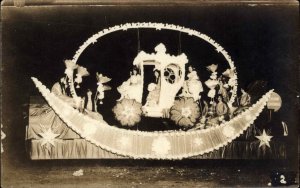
x,y
135,78
91,110
101,80
157,77
132,87
192,87
212,109
154,90
244,103
62,90
222,89
245,98
212,82
153,96
122,89
89,103
221,109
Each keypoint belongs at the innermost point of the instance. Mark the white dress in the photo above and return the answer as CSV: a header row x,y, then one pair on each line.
x,y
194,85
132,88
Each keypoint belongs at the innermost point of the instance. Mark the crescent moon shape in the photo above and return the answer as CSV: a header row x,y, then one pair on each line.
x,y
152,145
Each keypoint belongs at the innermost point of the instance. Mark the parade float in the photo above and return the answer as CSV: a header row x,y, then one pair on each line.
x,y
207,115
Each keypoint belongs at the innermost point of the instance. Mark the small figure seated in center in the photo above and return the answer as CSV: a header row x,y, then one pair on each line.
x,y
153,96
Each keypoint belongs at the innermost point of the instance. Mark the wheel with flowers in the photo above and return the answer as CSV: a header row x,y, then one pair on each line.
x,y
128,112
185,112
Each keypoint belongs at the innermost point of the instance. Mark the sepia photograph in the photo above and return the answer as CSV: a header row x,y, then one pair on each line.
x,y
149,93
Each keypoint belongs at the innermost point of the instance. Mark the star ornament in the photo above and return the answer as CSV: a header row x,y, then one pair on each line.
x,y
48,137
219,49
264,139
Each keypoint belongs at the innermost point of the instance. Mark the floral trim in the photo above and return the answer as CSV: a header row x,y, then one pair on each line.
x,y
106,136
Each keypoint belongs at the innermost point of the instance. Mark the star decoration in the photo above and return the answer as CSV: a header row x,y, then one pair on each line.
x,y
48,137
94,40
264,139
219,49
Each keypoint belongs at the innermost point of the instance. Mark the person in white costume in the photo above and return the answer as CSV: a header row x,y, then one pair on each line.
x,y
192,87
131,87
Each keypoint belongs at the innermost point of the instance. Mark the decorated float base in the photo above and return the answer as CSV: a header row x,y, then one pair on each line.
x,y
82,149
69,145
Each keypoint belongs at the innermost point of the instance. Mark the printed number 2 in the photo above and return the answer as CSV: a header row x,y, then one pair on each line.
x,y
282,179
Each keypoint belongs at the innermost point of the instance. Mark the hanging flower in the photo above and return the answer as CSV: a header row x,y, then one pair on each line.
x,y
81,72
184,112
70,66
212,67
211,84
228,73
128,112
101,78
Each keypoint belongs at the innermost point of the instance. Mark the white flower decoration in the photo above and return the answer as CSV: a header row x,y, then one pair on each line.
x,y
161,146
228,131
198,141
186,112
128,112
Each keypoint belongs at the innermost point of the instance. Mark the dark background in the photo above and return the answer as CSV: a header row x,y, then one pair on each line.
x,y
262,41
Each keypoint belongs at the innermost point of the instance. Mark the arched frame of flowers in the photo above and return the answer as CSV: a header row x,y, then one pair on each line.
x,y
158,26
